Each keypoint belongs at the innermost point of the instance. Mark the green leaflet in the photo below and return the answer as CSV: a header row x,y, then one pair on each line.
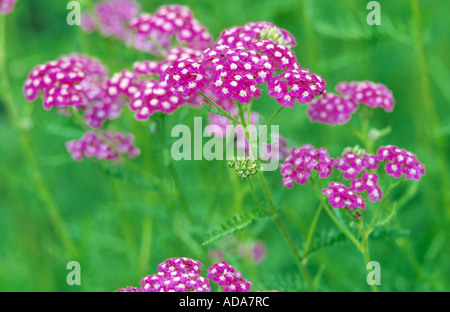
x,y
333,238
212,109
237,223
286,283
128,177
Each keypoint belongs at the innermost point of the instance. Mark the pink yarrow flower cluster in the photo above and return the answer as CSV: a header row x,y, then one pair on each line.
x,y
183,275
236,73
172,21
227,277
369,93
81,82
67,81
157,68
6,6
176,275
399,161
152,97
243,36
100,147
336,109
114,17
351,165
296,85
368,183
300,162
115,93
341,196
354,167
331,109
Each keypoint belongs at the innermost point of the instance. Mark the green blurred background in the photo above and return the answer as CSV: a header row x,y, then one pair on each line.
x,y
123,228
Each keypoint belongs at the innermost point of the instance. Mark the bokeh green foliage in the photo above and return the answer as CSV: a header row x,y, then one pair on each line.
x,y
123,227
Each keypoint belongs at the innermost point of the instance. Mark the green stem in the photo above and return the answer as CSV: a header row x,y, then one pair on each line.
x,y
428,104
284,233
249,113
124,222
79,119
224,112
173,172
29,153
311,232
255,198
365,249
360,135
241,115
144,255
271,119
334,219
385,196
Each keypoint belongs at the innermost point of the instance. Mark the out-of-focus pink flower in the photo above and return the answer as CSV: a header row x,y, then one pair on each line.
x,y
369,93
93,146
88,23
331,109
171,21
6,6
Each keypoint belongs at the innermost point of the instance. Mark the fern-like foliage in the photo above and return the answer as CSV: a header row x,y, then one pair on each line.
x,y
130,177
334,238
286,283
237,223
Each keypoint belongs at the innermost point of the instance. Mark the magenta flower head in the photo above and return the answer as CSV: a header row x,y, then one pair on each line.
x,y
176,275
146,67
93,146
107,103
88,23
172,21
331,109
296,85
350,164
234,72
6,6
399,161
340,196
244,36
114,17
129,289
226,276
183,265
69,81
300,162
154,96
368,183
369,93
186,76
